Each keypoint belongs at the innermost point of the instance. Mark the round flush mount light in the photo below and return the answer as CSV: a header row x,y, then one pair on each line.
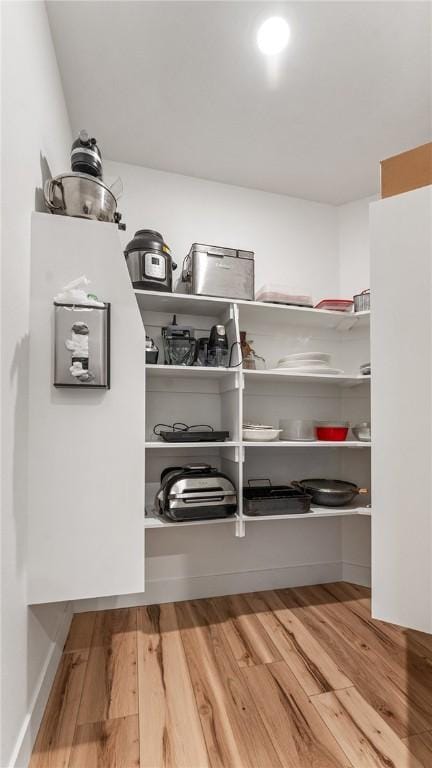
x,y
273,36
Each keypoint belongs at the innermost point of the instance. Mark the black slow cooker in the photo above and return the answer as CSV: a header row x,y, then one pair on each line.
x,y
149,261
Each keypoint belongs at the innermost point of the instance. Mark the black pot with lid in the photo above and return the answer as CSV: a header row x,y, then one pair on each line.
x,y
149,261
86,156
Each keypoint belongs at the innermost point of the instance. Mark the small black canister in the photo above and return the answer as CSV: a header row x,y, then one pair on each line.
x,y
149,261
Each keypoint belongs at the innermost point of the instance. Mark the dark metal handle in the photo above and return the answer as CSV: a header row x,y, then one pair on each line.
x,y
259,480
197,467
117,218
199,496
186,275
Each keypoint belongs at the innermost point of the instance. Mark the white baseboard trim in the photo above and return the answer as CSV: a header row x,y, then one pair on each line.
x,y
356,573
215,584
24,744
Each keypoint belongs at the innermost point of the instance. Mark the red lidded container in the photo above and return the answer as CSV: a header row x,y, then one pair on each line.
x,y
332,430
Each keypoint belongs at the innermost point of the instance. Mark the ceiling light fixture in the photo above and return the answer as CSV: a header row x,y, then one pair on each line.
x,y
273,36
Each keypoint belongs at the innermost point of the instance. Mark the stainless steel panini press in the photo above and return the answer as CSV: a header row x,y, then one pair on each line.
x,y
195,492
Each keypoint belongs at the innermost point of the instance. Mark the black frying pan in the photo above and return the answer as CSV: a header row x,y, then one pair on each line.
x,y
330,493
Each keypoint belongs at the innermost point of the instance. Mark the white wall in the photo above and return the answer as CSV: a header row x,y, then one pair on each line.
x,y
35,134
353,226
401,241
313,248
295,241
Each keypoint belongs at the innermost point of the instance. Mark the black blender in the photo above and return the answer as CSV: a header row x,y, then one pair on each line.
x,y
179,344
217,347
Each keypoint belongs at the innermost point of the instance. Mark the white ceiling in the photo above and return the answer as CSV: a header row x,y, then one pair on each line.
x,y
181,86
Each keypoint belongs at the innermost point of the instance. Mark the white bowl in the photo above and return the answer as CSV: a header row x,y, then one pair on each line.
x,y
261,435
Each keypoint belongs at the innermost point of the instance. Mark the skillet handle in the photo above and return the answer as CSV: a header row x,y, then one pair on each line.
x,y
363,490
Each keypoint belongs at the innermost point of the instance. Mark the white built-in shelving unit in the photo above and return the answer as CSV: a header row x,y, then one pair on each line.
x,y
226,397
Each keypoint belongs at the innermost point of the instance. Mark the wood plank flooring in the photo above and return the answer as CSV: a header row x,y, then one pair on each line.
x,y
292,678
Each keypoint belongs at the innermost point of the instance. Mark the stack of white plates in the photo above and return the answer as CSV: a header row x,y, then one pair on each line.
x,y
308,362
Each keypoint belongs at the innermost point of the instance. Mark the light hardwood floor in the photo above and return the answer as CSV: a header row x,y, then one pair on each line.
x,y
294,678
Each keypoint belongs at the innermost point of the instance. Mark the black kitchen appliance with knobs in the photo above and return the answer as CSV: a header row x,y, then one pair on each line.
x,y
149,261
195,492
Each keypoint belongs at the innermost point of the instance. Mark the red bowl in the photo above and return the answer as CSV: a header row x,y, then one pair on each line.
x,y
332,433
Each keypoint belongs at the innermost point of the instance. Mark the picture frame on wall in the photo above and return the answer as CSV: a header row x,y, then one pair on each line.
x,y
82,345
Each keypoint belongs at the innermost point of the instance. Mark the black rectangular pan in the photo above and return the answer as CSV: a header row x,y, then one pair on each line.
x,y
274,499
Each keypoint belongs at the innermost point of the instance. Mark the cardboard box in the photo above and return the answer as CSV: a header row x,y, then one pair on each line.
x,y
407,171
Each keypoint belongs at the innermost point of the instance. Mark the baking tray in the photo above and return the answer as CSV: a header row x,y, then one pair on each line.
x,y
261,500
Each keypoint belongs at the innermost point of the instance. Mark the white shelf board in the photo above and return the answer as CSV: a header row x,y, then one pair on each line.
x,y
305,378
317,512
306,444
154,521
181,303
305,316
187,371
160,301
161,444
